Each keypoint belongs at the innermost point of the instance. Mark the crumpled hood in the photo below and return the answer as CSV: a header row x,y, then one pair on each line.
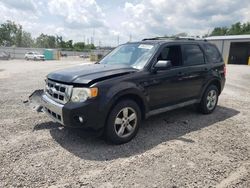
x,y
84,74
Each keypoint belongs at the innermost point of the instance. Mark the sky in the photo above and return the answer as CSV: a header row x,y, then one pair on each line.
x,y
110,22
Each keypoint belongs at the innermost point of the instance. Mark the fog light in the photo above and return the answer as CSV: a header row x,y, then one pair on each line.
x,y
81,119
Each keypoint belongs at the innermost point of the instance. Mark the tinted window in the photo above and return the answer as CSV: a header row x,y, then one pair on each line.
x,y
171,53
212,53
192,55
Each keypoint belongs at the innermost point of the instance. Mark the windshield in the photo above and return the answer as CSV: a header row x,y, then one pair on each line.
x,y
134,55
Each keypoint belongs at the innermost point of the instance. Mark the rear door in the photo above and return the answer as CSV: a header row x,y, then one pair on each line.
x,y
195,70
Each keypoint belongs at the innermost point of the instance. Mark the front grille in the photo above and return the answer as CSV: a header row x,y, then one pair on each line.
x,y
59,92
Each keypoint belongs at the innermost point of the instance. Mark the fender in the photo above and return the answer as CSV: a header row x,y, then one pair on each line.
x,y
214,79
122,89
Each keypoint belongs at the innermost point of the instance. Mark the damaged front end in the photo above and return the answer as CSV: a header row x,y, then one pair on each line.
x,y
34,101
40,102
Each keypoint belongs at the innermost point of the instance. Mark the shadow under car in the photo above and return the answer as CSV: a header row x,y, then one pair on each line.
x,y
154,131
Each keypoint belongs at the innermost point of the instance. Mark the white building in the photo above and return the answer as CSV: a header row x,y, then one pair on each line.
x,y
235,49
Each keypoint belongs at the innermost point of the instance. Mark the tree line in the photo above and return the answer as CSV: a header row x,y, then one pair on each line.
x,y
235,29
12,34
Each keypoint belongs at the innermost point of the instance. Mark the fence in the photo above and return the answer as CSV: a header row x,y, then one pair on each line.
x,y
18,52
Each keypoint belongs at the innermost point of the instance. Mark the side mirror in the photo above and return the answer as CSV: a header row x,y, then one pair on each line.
x,y
162,65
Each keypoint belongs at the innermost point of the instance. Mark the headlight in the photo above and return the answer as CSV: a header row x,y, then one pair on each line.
x,y
82,94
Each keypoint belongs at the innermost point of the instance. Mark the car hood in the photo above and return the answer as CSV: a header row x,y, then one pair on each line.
x,y
90,73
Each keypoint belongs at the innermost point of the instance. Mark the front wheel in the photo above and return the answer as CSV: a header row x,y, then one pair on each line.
x,y
123,122
209,100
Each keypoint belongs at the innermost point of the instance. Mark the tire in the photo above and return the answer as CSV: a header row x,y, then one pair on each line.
x,y
123,122
209,100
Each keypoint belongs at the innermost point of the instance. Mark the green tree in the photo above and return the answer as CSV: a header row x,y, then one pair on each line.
x,y
235,29
18,37
90,47
69,44
219,31
59,42
79,46
27,40
10,34
46,41
246,28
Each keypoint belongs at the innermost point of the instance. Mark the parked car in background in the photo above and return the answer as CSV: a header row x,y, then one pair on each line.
x,y
4,56
34,56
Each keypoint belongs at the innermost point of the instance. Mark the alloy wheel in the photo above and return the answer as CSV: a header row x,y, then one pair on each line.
x,y
125,122
211,99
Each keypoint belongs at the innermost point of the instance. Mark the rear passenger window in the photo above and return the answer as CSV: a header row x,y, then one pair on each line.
x,y
192,55
212,53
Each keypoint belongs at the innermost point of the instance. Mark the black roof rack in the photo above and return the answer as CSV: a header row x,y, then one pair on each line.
x,y
159,38
174,38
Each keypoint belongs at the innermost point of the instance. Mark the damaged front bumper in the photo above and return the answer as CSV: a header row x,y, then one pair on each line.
x,y
75,115
40,102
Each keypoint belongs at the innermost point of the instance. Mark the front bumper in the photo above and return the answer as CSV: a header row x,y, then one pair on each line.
x,y
52,108
68,114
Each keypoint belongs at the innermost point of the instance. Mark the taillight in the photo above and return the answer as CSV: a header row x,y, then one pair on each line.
x,y
225,70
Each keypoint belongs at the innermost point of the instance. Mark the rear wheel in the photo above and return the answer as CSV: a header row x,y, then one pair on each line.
x,y
209,100
123,122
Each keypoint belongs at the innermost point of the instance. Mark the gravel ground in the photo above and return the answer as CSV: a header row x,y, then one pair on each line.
x,y
181,148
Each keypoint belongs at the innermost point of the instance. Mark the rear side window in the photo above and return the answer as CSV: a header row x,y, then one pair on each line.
x,y
192,55
212,53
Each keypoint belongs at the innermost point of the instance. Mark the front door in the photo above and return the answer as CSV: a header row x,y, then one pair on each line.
x,y
165,87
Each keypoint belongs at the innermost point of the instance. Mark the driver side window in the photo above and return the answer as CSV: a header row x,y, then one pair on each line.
x,y
171,53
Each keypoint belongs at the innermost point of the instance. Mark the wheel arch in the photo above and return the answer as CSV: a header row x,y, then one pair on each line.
x,y
215,82
130,94
134,97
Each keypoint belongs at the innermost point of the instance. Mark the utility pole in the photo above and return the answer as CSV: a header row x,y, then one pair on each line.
x,y
118,40
93,42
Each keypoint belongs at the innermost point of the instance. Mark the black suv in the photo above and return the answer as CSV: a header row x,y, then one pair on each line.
x,y
133,82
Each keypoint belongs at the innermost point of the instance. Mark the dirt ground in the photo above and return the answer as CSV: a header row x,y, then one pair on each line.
x,y
181,148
